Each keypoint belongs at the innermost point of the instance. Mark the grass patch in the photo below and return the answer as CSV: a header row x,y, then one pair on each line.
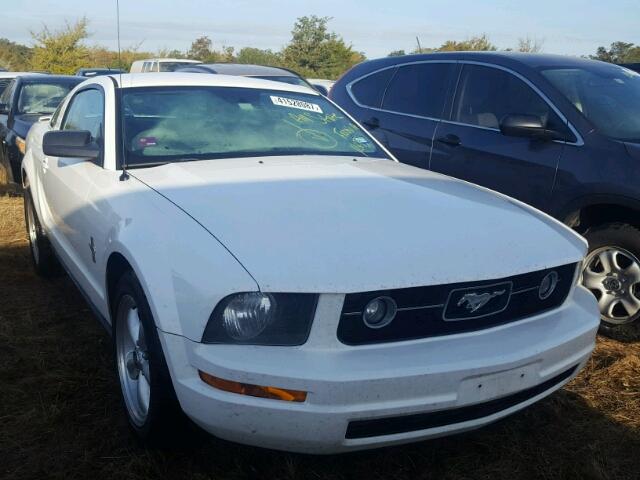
x,y
60,415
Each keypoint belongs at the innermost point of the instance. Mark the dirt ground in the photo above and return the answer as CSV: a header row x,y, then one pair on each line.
x,y
60,416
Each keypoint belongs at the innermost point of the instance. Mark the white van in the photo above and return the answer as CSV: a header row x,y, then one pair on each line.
x,y
160,64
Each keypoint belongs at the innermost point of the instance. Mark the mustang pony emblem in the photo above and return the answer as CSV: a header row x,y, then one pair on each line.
x,y
476,301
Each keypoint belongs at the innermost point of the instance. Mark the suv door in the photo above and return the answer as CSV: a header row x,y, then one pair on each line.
x,y
405,104
470,145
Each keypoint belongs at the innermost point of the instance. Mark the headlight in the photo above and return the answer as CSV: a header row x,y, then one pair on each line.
x,y
21,144
257,318
248,314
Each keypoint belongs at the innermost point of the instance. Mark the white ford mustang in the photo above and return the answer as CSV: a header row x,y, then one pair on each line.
x,y
269,270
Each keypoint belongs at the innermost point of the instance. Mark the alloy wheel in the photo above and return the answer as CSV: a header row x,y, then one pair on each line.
x,y
133,360
613,276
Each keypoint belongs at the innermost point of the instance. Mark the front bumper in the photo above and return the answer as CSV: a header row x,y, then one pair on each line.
x,y
366,389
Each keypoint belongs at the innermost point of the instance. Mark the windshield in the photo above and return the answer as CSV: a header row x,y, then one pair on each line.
x,y
42,98
172,66
164,124
607,95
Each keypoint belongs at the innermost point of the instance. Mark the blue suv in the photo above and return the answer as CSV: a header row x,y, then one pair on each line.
x,y
559,133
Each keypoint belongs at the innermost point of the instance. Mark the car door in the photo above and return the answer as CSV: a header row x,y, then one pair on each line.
x,y
68,183
470,146
6,100
411,107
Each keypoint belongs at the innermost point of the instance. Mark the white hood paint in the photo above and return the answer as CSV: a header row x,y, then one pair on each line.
x,y
335,225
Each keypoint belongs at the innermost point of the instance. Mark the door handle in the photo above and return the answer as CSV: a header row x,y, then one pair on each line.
x,y
372,123
450,139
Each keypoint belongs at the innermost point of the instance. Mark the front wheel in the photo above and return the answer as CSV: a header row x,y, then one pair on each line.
x,y
611,272
147,392
44,260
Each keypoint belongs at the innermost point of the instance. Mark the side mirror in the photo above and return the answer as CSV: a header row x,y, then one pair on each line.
x,y
4,109
70,143
528,126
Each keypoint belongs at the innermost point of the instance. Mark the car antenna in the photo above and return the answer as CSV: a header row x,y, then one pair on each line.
x,y
125,175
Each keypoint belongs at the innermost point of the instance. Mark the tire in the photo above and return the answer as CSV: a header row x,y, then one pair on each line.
x,y
147,393
43,258
612,272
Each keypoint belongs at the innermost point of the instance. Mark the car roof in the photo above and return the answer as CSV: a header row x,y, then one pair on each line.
x,y
44,78
17,74
177,79
244,69
530,60
163,59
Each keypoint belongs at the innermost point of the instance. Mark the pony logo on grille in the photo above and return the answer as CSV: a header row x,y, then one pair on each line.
x,y
477,302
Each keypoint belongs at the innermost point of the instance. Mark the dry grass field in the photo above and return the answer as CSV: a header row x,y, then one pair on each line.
x,y
60,416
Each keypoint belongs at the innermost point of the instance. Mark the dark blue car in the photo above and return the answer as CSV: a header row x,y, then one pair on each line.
x,y
559,133
24,100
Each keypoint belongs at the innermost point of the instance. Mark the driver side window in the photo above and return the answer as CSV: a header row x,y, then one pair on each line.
x,y
86,112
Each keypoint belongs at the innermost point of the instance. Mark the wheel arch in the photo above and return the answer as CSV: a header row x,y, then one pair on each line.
x,y
117,265
597,210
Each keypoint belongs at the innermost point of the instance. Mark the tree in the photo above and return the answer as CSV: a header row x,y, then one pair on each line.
x,y
314,51
397,53
477,43
202,49
618,52
530,45
14,56
259,57
61,51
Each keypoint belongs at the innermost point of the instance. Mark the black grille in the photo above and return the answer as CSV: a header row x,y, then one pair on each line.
x,y
435,310
423,421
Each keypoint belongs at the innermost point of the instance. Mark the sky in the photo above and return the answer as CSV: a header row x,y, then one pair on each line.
x,y
374,27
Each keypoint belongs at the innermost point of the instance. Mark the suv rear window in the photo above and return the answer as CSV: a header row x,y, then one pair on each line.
x,y
370,90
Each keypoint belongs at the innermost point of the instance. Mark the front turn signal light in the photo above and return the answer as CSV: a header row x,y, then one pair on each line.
x,y
21,144
273,393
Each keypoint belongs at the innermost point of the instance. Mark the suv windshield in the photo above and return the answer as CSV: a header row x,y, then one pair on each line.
x,y
42,98
164,124
607,95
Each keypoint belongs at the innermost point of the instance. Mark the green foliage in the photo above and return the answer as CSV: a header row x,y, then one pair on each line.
x,y
314,51
618,52
61,51
259,57
14,56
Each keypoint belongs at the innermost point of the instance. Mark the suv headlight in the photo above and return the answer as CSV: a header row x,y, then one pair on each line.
x,y
256,318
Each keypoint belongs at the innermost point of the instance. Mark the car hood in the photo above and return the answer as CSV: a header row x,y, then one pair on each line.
x,y
339,225
22,123
633,149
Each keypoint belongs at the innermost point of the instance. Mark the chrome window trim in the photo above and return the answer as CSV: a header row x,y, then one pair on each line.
x,y
396,66
578,143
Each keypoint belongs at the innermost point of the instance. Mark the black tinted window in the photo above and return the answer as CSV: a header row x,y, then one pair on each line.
x,y
4,83
85,112
486,95
370,90
419,89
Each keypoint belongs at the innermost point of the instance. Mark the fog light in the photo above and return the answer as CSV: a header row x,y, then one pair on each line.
x,y
548,285
273,393
379,312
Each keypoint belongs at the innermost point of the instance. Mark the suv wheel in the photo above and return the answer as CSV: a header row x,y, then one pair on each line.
x,y
612,272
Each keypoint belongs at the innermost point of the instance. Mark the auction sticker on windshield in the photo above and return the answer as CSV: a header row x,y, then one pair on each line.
x,y
293,103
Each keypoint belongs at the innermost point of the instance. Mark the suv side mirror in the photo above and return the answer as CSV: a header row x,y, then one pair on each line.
x,y
528,126
70,143
4,109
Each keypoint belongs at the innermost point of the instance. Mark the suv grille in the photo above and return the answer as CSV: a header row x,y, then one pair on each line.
x,y
454,308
